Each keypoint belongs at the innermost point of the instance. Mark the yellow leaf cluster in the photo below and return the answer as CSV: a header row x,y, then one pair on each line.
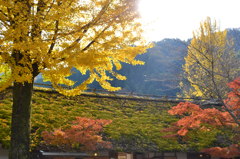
x,y
210,63
52,37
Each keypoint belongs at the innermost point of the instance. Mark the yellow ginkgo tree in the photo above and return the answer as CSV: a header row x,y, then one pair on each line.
x,y
52,37
211,62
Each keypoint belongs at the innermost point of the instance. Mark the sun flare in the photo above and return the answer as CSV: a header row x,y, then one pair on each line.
x,y
178,19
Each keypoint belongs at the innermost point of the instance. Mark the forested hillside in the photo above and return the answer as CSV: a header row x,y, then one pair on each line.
x,y
162,71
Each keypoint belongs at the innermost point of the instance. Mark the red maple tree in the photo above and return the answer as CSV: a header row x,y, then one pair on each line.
x,y
227,117
84,133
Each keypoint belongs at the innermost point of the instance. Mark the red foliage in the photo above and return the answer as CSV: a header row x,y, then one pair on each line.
x,y
84,132
184,108
233,100
226,152
194,117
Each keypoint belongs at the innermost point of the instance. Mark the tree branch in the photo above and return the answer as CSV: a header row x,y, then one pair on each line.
x,y
54,37
94,40
86,27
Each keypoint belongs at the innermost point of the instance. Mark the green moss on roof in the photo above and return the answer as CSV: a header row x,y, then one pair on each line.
x,y
136,124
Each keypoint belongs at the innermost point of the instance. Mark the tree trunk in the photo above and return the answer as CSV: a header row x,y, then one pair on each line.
x,y
20,128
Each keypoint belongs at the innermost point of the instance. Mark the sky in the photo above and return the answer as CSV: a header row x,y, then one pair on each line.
x,y
179,18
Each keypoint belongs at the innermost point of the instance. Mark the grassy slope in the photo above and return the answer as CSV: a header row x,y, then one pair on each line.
x,y
136,125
